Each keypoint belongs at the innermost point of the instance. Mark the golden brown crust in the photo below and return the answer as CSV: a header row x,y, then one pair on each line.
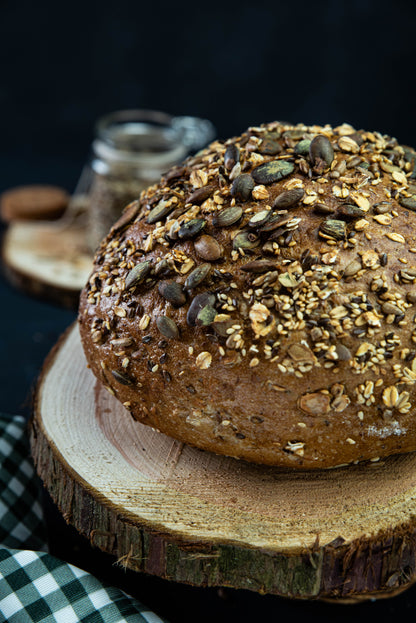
x,y
259,302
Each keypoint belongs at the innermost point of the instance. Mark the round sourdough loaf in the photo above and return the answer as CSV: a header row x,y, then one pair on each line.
x,y
259,302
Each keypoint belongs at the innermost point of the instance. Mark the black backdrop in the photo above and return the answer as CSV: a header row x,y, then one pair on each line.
x,y
64,64
236,63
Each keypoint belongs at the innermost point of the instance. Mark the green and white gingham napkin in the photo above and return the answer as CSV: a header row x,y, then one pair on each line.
x,y
35,586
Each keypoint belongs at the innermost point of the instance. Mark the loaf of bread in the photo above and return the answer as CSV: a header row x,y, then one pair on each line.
x,y
259,302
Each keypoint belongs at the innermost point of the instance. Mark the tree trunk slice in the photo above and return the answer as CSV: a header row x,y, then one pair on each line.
x,y
168,509
47,259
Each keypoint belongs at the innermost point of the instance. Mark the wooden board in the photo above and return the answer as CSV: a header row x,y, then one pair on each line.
x,y
47,259
192,516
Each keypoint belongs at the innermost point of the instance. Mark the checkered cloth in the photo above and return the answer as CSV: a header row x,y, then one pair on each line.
x,y
34,586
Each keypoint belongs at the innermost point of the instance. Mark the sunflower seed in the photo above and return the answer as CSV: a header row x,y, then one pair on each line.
x,y
162,209
199,302
321,152
208,248
321,208
272,171
231,157
129,214
228,217
242,187
200,195
197,276
258,266
288,198
191,229
274,222
350,212
352,268
174,174
167,327
172,292
122,377
137,274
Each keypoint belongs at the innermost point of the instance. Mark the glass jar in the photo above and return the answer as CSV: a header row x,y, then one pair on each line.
x,y
131,150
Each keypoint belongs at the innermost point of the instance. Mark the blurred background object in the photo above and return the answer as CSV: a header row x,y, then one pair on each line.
x,y
131,150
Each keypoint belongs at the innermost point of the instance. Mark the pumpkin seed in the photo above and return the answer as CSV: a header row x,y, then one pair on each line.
x,y
199,302
228,217
383,207
242,186
172,292
163,268
321,152
258,266
206,316
231,157
197,276
334,228
246,240
408,202
160,211
389,308
269,147
200,195
167,327
288,198
191,229
260,218
122,377
272,171
208,248
294,134
302,148
344,354
137,274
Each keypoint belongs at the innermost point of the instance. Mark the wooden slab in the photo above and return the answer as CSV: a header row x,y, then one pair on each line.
x,y
47,259
192,516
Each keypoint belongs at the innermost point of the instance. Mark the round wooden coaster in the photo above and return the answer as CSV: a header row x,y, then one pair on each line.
x,y
191,516
36,202
47,259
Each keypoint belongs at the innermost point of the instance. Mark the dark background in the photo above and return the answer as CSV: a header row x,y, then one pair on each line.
x,y
237,64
